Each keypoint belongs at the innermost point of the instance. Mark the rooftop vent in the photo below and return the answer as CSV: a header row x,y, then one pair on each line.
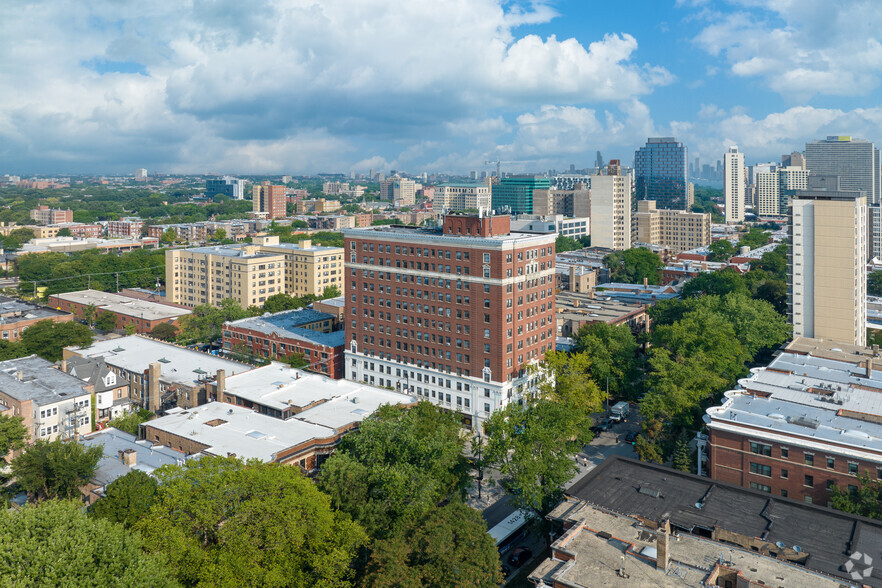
x,y
649,491
804,421
163,360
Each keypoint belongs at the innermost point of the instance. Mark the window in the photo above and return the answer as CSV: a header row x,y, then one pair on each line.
x,y
784,493
760,469
852,469
784,474
809,459
808,498
852,489
831,463
760,487
809,481
486,258
760,449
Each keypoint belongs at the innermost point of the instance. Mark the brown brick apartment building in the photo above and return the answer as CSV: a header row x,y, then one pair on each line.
x,y
454,315
799,426
144,315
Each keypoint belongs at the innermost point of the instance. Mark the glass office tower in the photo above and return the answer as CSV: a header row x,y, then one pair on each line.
x,y
514,194
660,169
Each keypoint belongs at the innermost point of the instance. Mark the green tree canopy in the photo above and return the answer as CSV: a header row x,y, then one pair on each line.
x,y
447,546
401,462
164,332
717,283
13,434
54,543
754,238
130,422
205,322
634,265
874,284
721,250
106,322
55,469
126,499
865,501
563,244
48,338
613,353
223,522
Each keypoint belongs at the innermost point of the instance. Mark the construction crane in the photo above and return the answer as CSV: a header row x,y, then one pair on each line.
x,y
498,163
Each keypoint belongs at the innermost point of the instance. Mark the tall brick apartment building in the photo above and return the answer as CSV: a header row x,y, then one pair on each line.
x,y
453,315
798,426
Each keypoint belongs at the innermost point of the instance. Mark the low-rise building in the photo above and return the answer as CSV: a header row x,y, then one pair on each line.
x,y
52,403
334,306
142,314
45,215
676,230
574,228
76,230
71,244
127,227
110,392
123,454
302,332
17,315
575,310
161,375
800,425
630,523
305,438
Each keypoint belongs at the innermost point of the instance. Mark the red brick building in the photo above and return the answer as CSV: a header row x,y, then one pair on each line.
x,y
142,314
51,216
130,227
293,332
454,315
798,427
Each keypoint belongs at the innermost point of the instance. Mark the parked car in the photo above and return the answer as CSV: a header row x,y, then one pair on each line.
x,y
505,571
520,556
631,437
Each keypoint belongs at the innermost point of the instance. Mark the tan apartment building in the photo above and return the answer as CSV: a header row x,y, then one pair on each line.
x,y
827,271
570,203
51,216
318,206
462,196
309,269
207,275
251,273
675,230
610,208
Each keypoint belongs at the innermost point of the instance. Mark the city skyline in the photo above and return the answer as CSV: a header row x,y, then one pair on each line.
x,y
305,87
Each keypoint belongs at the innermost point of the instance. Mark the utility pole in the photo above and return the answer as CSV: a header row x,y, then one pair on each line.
x,y
117,282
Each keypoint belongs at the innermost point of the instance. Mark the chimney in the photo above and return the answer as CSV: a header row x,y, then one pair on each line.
x,y
129,457
662,544
220,385
306,244
64,365
869,368
573,279
645,283
19,375
575,304
153,393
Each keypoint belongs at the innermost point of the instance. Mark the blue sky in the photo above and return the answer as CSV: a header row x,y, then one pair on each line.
x,y
306,86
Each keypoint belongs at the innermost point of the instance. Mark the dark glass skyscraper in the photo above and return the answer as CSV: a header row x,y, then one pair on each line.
x,y
660,169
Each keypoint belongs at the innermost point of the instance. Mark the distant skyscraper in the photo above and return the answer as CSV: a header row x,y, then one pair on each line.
x,y
598,162
514,194
733,185
610,201
661,172
140,175
228,186
856,162
827,271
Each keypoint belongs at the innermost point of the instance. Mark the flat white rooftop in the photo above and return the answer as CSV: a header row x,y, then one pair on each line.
x,y
125,305
179,365
280,387
233,430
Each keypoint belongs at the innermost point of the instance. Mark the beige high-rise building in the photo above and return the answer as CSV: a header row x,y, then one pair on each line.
x,y
675,230
827,273
458,197
251,273
610,205
269,201
570,203
733,184
398,189
772,184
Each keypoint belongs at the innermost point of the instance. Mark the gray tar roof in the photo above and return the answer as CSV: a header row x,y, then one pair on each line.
x,y
13,310
40,381
287,324
694,503
148,456
228,251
